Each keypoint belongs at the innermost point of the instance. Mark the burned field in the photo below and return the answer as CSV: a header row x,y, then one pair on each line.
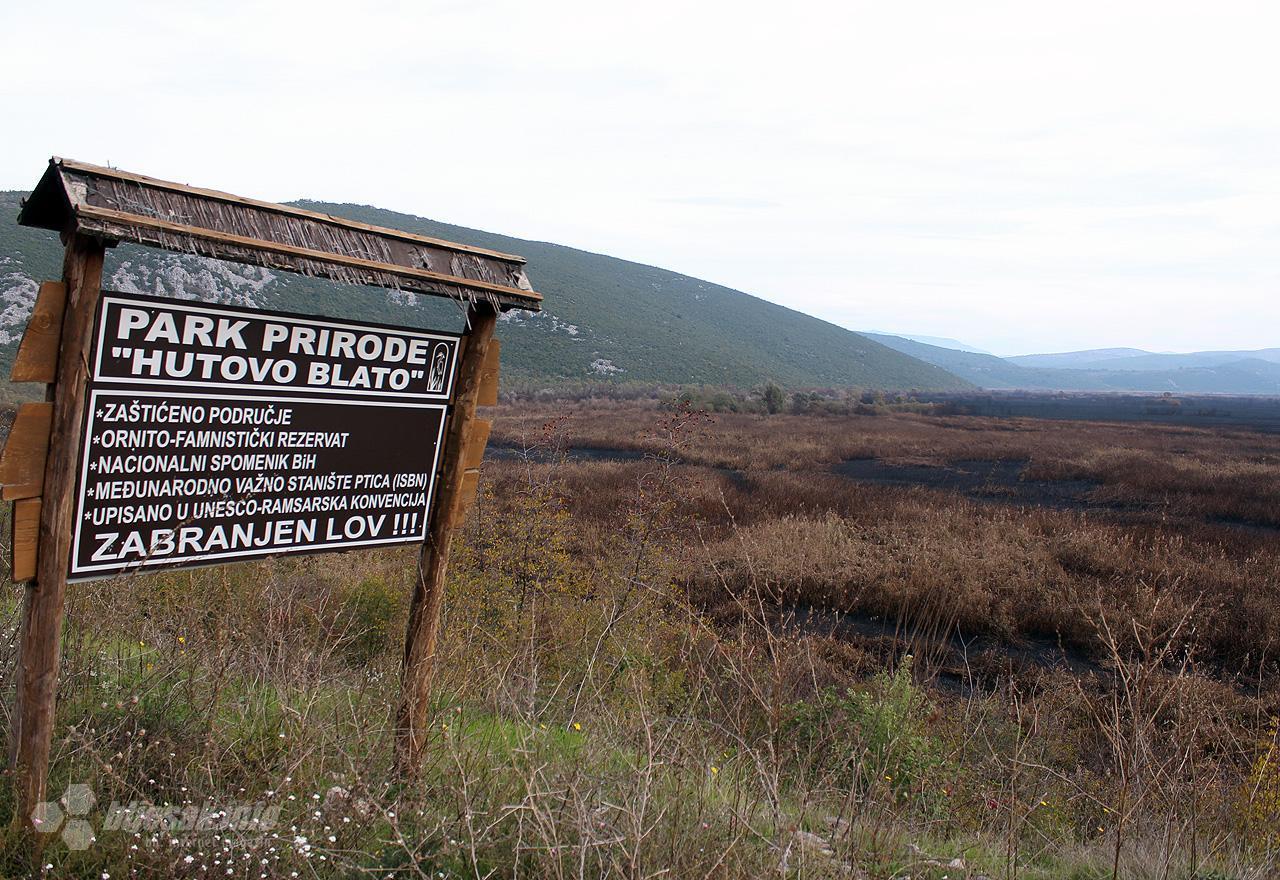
x,y
943,528
737,646
1119,582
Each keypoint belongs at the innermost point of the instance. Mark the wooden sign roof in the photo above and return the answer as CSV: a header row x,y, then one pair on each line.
x,y
117,206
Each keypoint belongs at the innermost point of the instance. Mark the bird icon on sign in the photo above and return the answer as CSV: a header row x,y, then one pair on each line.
x,y
439,368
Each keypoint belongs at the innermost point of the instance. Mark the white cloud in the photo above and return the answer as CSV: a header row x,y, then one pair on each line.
x,y
1024,176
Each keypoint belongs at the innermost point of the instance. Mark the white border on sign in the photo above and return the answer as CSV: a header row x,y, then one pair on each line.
x,y
84,573
176,304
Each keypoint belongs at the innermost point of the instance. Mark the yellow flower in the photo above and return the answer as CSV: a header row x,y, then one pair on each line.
x,y
182,640
577,726
715,769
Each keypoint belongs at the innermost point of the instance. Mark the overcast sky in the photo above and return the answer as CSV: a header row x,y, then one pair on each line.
x,y
1023,176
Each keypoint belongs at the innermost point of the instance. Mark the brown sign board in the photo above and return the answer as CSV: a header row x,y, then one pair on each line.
x,y
177,434
214,434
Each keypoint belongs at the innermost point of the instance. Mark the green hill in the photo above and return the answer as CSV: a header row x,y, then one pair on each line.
x,y
605,318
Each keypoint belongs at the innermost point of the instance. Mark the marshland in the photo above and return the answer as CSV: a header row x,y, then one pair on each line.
x,y
879,640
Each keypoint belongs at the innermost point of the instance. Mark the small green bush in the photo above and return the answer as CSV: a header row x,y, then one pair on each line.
x,y
369,620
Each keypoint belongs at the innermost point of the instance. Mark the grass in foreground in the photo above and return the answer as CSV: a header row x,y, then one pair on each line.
x,y
597,716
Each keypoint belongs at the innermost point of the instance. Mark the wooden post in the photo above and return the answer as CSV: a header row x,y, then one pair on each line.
x,y
39,651
433,562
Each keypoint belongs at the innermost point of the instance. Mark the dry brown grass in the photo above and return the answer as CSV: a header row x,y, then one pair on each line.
x,y
634,682
1230,473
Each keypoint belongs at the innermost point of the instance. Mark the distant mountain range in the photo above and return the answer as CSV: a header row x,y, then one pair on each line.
x,y
605,319
1068,360
1108,369
939,341
1137,359
612,320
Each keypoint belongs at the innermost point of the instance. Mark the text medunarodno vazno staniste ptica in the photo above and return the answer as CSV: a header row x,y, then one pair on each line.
x,y
215,433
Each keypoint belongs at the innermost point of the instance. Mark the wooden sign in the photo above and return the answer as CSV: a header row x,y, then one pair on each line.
x,y
23,459
179,433
214,434
37,357
25,538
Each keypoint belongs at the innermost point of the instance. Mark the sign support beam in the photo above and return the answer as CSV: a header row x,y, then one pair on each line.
x,y
40,643
433,561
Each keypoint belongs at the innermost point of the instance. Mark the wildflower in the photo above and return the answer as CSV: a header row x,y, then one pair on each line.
x,y
714,769
577,726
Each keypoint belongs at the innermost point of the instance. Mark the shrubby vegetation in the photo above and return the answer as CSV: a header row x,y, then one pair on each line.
x,y
717,659
772,399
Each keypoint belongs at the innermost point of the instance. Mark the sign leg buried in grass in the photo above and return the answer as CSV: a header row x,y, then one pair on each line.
x,y
433,563
40,642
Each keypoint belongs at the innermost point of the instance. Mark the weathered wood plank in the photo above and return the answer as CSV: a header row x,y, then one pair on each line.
x,y
113,205
489,376
433,562
39,654
92,212
287,210
24,539
467,495
37,358
23,459
476,440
